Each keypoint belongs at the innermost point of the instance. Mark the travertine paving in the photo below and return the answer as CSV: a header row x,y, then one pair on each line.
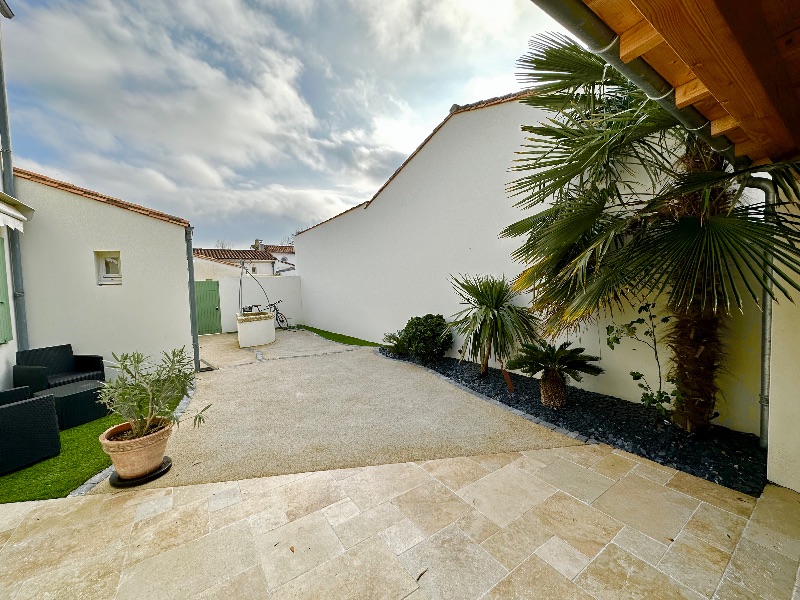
x,y
579,521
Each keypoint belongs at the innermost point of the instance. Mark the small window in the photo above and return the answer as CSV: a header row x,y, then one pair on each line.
x,y
255,269
109,268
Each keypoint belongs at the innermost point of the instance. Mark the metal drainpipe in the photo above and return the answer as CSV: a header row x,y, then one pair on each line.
x,y
14,251
592,31
192,298
765,185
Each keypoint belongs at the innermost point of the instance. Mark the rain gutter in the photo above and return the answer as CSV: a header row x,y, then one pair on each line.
x,y
603,41
765,185
192,298
14,250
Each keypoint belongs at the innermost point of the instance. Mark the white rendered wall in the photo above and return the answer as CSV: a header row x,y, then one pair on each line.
x,y
286,289
8,351
149,312
366,272
211,269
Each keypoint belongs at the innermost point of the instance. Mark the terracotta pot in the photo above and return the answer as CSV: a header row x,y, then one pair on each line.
x,y
138,457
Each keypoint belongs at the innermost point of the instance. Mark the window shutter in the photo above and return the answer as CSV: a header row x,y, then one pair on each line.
x,y
6,332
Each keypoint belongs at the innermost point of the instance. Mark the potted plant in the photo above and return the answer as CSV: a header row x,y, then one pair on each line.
x,y
145,394
555,364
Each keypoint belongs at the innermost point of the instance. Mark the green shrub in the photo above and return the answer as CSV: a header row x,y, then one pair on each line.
x,y
395,343
424,339
427,338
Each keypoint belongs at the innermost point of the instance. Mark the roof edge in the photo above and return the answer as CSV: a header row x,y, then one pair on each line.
x,y
92,195
454,110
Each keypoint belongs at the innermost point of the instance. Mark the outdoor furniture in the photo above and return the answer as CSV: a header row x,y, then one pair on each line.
x,y
44,368
76,403
28,429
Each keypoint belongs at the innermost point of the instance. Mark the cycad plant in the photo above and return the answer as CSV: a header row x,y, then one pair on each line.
x,y
491,323
641,207
555,364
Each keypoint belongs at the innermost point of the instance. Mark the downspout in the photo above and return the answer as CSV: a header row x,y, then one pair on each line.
x,y
581,22
192,299
14,251
765,185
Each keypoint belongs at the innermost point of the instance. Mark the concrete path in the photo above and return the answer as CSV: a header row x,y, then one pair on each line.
x,y
313,405
580,522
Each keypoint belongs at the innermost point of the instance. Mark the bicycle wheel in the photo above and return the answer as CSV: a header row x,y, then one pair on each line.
x,y
280,319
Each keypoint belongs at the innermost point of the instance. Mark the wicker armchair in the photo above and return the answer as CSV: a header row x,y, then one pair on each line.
x,y
28,429
44,368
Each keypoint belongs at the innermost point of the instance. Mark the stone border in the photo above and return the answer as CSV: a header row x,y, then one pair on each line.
x,y
573,434
90,483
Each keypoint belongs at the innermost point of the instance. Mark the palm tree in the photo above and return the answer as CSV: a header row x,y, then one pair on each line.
x,y
638,205
555,365
491,322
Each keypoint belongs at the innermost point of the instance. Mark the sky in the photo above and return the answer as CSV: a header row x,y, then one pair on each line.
x,y
250,118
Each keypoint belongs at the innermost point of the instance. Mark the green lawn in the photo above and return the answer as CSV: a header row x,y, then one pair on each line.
x,y
338,337
80,459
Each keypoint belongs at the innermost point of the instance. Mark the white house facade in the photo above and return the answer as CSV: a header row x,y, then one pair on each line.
x,y
368,270
102,274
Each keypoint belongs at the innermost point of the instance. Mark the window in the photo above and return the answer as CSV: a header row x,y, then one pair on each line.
x,y
109,268
255,269
6,329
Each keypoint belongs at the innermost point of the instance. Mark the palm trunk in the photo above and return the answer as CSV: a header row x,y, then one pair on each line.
x,y
694,339
553,389
485,361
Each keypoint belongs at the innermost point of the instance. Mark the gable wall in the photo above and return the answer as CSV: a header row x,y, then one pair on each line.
x,y
149,312
366,272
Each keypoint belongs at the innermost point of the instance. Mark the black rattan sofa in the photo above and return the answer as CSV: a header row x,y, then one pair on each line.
x,y
28,429
44,368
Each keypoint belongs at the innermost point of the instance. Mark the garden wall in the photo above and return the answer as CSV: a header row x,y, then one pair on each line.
x,y
367,271
286,289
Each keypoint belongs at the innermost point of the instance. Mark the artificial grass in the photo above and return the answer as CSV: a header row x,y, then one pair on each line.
x,y
338,337
81,457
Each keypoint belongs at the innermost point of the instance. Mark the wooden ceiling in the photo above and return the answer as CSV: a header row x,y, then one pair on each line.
x,y
736,61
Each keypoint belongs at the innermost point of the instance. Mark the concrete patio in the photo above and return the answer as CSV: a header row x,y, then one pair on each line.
x,y
557,520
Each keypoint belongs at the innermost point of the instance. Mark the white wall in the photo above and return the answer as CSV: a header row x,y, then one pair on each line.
x,y
366,272
286,289
211,269
149,312
8,351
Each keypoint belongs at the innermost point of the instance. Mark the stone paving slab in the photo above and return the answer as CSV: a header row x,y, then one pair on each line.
x,y
467,527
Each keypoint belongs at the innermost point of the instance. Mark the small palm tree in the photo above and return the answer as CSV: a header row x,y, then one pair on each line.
x,y
491,323
555,364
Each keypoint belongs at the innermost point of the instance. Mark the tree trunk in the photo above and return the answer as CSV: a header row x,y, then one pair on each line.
x,y
553,389
485,361
697,354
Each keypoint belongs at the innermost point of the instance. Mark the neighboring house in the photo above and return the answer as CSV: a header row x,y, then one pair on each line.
x,y
287,264
102,274
371,268
258,262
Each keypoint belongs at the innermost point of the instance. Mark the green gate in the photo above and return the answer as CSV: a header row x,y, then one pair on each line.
x,y
208,315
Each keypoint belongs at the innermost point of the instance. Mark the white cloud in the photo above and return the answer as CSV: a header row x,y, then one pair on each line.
x,y
261,113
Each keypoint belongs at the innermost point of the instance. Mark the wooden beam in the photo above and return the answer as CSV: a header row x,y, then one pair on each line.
x,y
723,125
637,40
691,92
748,148
730,48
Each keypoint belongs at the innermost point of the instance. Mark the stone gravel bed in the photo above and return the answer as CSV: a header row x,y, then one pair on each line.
x,y
730,458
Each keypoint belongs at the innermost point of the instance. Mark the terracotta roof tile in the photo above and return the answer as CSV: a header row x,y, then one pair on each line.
x,y
229,254
74,189
280,249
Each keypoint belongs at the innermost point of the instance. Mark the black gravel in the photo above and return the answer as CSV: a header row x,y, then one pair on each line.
x,y
730,458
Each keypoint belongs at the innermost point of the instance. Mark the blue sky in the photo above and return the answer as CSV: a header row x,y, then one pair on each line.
x,y
250,118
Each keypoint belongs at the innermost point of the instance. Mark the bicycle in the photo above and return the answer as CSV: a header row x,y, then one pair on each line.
x,y
280,318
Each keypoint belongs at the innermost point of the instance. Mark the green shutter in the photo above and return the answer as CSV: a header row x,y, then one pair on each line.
x,y
6,331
